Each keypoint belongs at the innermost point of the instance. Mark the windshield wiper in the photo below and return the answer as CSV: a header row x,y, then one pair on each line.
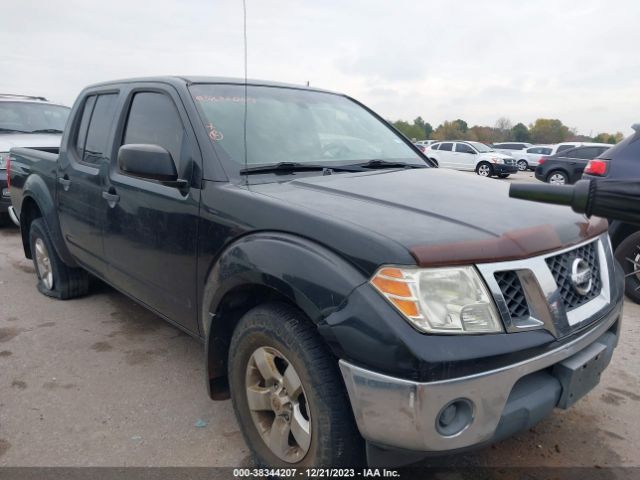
x,y
295,167
12,130
46,130
387,164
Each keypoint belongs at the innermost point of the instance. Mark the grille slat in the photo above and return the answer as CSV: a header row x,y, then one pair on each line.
x,y
560,266
513,293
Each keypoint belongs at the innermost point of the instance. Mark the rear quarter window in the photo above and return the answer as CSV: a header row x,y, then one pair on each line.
x,y
629,148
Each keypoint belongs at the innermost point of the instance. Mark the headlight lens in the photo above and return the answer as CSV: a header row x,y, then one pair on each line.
x,y
440,300
3,160
497,160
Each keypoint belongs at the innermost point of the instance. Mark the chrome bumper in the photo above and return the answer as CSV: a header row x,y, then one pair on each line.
x,y
398,413
13,216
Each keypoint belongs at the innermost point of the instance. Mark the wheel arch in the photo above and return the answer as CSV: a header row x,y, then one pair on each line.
x,y
619,231
264,267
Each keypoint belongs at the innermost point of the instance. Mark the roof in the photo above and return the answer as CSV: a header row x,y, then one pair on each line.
x,y
190,80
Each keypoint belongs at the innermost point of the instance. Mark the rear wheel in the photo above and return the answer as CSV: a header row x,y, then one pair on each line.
x,y
55,278
628,254
522,165
484,169
557,177
288,394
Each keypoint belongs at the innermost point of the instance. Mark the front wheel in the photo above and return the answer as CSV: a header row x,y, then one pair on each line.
x,y
522,165
628,254
55,278
288,394
484,169
557,177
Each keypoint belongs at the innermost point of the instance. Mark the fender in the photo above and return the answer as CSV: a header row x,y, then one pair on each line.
x,y
36,189
305,273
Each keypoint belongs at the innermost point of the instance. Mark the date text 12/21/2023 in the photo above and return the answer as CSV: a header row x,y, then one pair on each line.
x,y
315,472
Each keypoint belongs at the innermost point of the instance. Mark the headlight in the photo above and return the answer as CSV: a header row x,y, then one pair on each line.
x,y
4,156
497,160
440,300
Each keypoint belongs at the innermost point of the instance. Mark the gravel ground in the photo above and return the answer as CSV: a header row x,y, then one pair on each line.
x,y
100,381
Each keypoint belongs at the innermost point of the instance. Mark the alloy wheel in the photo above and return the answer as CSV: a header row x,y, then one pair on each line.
x,y
484,170
43,262
522,165
557,179
278,404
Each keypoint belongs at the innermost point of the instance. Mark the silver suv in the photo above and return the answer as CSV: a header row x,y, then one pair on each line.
x,y
26,121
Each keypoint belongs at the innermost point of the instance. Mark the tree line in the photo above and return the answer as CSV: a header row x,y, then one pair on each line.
x,y
543,130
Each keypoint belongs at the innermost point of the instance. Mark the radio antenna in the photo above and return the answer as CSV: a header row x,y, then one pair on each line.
x,y
244,13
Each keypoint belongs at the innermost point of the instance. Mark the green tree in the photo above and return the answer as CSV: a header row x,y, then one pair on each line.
x,y
428,131
449,131
520,133
410,131
462,125
548,130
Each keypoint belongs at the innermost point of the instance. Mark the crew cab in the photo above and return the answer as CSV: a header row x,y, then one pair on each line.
x,y
351,303
26,121
472,156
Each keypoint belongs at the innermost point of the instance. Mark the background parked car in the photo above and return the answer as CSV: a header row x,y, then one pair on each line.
x,y
420,147
472,156
425,143
30,122
528,158
510,148
567,166
622,161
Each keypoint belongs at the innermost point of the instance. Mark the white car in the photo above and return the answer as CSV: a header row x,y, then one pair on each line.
x,y
26,122
471,156
425,143
529,157
510,148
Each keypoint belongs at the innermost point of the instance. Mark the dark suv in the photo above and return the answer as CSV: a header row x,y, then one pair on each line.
x,y
622,162
567,166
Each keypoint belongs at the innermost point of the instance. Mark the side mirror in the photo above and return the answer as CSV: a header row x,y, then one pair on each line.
x,y
147,161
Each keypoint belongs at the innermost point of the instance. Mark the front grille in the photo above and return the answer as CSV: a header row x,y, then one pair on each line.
x,y
560,266
513,294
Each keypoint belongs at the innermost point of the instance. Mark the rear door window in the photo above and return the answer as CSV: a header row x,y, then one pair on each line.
x,y
102,119
562,148
81,135
585,153
446,146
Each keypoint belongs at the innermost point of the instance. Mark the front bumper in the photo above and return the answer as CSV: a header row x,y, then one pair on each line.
x,y
394,413
502,168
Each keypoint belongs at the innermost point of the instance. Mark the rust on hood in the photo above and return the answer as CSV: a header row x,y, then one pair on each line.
x,y
512,245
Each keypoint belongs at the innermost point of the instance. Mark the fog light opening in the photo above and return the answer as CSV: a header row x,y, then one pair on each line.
x,y
454,417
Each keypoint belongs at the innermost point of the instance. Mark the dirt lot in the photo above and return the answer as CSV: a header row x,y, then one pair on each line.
x,y
100,381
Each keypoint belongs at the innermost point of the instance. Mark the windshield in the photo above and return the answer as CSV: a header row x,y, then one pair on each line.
x,y
481,147
27,117
289,125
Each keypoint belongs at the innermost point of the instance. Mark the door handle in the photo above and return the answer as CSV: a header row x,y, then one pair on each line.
x,y
111,197
65,182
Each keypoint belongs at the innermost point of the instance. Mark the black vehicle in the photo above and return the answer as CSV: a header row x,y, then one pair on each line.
x,y
567,166
350,296
622,162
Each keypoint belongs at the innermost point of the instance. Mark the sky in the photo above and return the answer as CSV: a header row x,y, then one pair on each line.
x,y
576,60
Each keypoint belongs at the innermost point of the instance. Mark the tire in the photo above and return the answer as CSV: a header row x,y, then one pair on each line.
x,y
522,165
503,175
628,254
557,177
55,278
284,339
484,169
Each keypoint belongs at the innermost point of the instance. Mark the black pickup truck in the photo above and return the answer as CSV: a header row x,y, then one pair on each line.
x,y
357,303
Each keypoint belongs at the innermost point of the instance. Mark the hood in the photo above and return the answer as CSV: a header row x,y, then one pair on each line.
x,y
499,154
29,140
442,217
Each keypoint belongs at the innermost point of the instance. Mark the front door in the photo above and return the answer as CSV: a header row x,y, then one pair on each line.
x,y
465,157
151,229
80,178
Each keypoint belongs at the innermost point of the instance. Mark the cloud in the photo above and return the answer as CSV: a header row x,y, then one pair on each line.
x,y
574,60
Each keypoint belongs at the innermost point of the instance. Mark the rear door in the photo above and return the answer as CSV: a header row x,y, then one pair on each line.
x,y
577,159
80,175
445,155
151,229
